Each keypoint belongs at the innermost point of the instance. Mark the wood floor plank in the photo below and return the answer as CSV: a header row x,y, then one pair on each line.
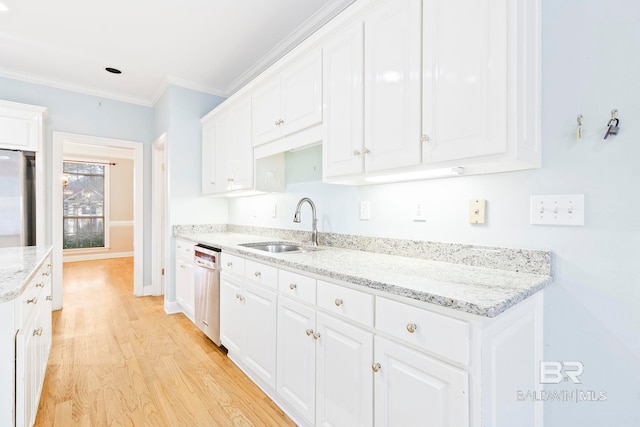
x,y
121,360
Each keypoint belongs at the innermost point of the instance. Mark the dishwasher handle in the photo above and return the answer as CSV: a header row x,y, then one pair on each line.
x,y
205,264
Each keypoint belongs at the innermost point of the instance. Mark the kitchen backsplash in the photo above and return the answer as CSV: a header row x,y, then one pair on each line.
x,y
518,260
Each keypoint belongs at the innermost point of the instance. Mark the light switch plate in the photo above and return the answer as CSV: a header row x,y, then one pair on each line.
x,y
557,209
365,210
477,211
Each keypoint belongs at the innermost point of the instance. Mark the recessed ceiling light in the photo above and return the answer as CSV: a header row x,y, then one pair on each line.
x,y
3,7
113,70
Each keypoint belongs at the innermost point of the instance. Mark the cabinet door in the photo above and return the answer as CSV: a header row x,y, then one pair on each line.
x,y
392,58
301,85
231,314
222,150
260,332
296,356
464,78
266,112
344,381
208,157
413,389
19,129
185,286
343,72
240,158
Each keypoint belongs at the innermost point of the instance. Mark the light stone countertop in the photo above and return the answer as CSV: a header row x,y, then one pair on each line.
x,y
478,290
17,266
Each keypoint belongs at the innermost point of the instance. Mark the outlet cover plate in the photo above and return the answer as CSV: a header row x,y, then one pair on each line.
x,y
365,210
477,211
419,211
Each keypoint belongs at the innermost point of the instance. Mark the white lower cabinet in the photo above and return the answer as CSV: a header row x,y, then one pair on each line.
x,y
413,389
344,384
248,326
185,284
25,339
344,356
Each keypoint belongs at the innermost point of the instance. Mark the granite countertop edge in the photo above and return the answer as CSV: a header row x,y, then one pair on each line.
x,y
14,280
228,242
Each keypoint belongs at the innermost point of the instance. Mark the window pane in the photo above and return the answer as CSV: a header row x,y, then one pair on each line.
x,y
83,205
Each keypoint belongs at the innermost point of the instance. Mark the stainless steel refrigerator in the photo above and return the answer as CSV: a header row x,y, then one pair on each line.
x,y
17,198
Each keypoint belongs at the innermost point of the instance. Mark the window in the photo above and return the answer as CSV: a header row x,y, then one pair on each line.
x,y
84,205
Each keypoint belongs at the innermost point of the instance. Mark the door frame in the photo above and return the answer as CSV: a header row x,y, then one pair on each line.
x,y
59,138
158,215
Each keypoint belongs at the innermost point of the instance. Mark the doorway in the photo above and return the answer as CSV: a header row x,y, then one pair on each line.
x,y
92,142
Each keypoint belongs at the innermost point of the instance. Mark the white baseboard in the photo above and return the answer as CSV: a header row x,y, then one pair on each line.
x,y
172,307
92,257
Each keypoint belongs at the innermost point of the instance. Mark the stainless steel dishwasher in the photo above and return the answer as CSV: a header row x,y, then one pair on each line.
x,y
207,291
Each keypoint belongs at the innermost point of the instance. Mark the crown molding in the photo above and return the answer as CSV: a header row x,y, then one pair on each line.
x,y
60,84
330,10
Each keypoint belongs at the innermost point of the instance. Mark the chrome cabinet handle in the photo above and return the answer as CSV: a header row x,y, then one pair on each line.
x,y
229,264
424,138
309,332
411,327
316,335
356,152
49,298
338,302
279,122
376,367
33,300
37,332
292,286
257,274
49,265
45,273
366,151
39,285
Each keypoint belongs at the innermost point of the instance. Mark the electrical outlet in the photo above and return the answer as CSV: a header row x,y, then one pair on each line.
x,y
558,209
419,213
365,210
477,211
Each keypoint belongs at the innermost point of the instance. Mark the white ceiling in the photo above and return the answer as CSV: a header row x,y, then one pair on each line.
x,y
213,46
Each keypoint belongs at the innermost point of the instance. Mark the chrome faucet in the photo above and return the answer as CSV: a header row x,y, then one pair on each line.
x,y
314,221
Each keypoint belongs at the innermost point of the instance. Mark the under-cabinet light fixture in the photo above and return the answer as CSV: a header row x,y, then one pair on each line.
x,y
416,175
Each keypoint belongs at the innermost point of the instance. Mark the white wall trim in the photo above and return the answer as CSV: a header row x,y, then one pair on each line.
x,y
96,256
59,138
158,216
172,307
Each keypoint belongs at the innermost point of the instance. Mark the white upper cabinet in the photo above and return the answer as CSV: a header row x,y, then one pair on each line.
x,y
227,153
392,64
21,126
343,73
289,102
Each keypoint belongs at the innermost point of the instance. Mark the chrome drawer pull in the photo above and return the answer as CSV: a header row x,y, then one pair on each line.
x,y
37,332
257,273
45,273
376,367
338,302
411,327
39,285
309,332
33,300
49,298
292,286
316,335
229,264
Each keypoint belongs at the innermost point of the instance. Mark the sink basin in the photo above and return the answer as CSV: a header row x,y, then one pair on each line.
x,y
276,247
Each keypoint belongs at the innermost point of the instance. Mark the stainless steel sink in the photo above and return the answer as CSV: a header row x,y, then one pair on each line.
x,y
276,247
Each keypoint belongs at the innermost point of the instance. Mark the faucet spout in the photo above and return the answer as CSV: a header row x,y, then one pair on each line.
x,y
314,221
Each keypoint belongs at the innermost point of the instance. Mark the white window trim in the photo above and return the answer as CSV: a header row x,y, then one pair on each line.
x,y
107,204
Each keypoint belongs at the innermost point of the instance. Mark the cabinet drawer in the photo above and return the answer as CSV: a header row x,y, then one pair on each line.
x,y
261,273
232,264
297,286
36,292
347,302
430,331
184,248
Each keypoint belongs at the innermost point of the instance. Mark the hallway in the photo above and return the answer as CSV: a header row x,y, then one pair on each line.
x,y
120,360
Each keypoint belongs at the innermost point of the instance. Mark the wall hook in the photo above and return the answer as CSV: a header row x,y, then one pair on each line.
x,y
614,124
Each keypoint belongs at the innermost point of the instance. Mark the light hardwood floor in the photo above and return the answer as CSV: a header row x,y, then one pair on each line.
x,y
120,360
